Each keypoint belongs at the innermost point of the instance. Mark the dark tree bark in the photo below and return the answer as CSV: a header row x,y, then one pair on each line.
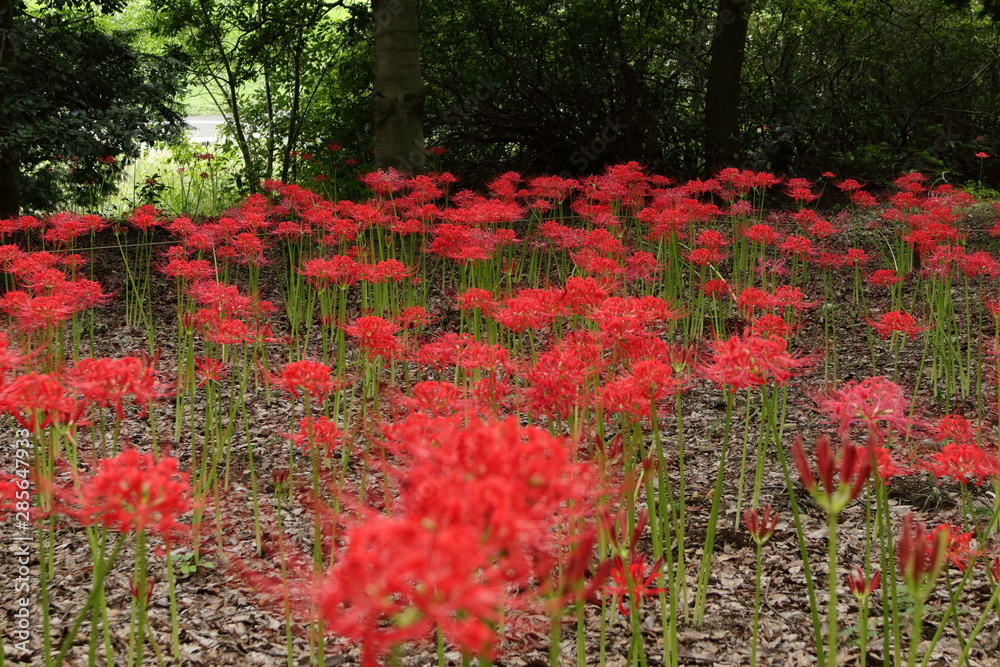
x,y
722,95
399,88
10,167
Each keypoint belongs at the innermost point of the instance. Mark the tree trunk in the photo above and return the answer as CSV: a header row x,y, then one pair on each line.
x,y
10,167
722,95
399,88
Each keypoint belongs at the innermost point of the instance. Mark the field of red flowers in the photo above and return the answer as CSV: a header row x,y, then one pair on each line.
x,y
609,421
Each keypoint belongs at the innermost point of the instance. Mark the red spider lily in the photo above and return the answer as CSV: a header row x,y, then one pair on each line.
x,y
964,462
589,261
715,287
711,238
920,556
583,294
480,514
464,351
912,182
863,586
979,265
133,587
307,377
664,223
769,325
641,265
384,183
375,336
144,217
706,256
339,270
562,236
955,428
221,298
529,309
885,278
221,330
941,261
413,317
33,313
385,271
398,581
958,545
9,359
10,488
210,369
886,467
552,187
857,257
761,523
637,393
750,361
797,246
786,296
473,210
634,581
107,382
863,199
437,399
561,378
761,233
191,270
132,492
319,432
842,480
601,240
37,401
875,402
619,316
476,298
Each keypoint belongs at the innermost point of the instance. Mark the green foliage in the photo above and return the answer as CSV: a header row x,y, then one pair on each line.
x,y
77,100
182,178
871,88
261,63
864,87
981,192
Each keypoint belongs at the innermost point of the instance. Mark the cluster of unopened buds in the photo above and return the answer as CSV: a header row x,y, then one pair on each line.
x,y
840,480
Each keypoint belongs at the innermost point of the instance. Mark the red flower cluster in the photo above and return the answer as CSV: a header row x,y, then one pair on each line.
x,y
896,322
750,361
875,402
376,337
132,492
482,514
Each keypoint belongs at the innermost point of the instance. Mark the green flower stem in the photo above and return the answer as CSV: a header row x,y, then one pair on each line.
x,y
949,614
95,593
831,581
821,659
863,631
682,514
743,462
175,638
756,605
994,601
916,623
701,597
